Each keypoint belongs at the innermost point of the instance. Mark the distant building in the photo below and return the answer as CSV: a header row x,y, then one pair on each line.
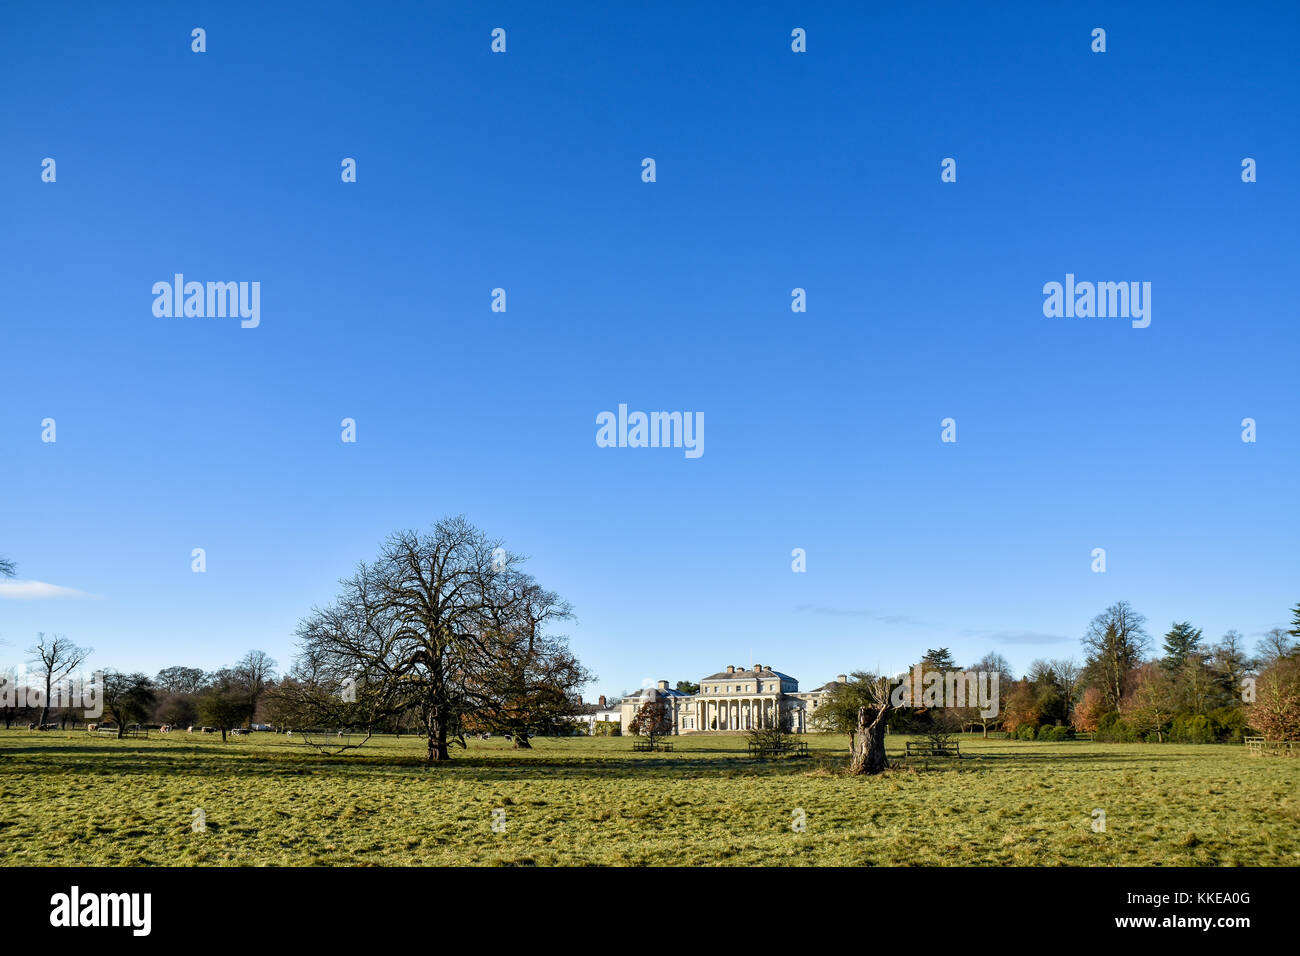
x,y
735,700
599,712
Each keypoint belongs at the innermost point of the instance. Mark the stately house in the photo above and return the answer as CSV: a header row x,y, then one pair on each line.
x,y
735,700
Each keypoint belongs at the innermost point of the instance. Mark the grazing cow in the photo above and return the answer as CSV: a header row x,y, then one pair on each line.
x,y
92,727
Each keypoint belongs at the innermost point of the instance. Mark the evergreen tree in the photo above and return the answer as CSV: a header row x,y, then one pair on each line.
x,y
938,660
1182,641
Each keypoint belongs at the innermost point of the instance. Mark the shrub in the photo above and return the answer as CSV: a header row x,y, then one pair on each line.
x,y
1112,729
1230,724
1055,733
1192,729
1026,732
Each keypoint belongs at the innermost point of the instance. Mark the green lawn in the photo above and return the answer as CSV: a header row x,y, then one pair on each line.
x,y
67,798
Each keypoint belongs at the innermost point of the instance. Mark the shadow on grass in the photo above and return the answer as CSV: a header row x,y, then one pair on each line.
x,y
214,761
211,758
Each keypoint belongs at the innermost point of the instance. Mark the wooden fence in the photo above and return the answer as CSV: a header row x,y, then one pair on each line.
x,y
1259,747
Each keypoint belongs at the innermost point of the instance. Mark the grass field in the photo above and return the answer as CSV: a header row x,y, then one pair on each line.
x,y
67,798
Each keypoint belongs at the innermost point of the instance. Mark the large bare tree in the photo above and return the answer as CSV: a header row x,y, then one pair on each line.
x,y
57,658
1068,675
1115,642
427,626
256,670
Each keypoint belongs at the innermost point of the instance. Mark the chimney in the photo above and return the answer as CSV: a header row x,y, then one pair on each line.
x,y
602,701
842,678
757,668
663,685
731,668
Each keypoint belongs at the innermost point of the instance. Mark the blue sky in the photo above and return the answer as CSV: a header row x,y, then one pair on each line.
x,y
775,170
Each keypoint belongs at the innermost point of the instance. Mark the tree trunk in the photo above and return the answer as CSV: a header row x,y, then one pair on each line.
x,y
223,735
437,738
45,705
869,744
121,730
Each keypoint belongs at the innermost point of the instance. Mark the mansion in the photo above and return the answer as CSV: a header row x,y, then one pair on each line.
x,y
735,700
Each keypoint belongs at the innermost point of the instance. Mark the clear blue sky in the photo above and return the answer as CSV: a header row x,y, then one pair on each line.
x,y
775,170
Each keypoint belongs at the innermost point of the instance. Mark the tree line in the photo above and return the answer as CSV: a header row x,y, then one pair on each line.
x,y
223,699
443,634
1188,691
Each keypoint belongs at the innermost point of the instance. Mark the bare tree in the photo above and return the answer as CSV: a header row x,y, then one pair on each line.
x,y
7,568
421,627
1115,641
772,732
1275,645
1230,664
179,680
528,687
869,737
997,667
255,669
526,680
57,657
1068,675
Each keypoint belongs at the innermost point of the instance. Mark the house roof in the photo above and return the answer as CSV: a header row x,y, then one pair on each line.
x,y
661,693
750,674
826,688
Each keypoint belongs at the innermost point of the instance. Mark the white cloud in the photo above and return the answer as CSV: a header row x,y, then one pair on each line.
x,y
1019,637
37,590
850,612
